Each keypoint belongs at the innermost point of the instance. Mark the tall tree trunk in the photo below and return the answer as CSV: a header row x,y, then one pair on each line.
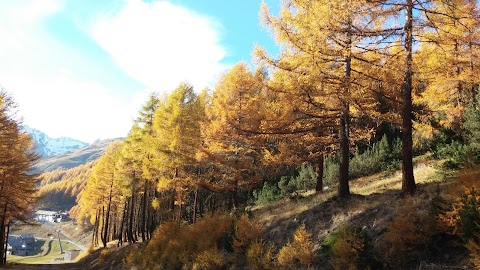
x,y
458,71
153,223
103,233
474,86
343,185
174,194
3,240
144,211
201,205
124,217
114,230
95,230
107,216
135,217
130,223
319,173
6,244
235,194
195,206
408,180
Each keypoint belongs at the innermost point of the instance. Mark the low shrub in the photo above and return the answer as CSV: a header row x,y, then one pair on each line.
x,y
330,171
104,255
298,253
173,246
473,247
463,209
349,250
408,236
458,154
246,232
468,213
206,244
261,256
305,180
462,213
268,193
380,157
287,186
210,259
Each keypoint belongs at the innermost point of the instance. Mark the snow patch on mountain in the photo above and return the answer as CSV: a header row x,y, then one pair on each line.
x,y
47,146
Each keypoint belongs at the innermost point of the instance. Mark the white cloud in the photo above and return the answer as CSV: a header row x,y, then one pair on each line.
x,y
161,44
49,95
64,106
33,10
158,44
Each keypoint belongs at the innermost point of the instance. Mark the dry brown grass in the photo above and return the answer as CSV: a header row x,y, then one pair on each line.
x,y
371,207
287,208
382,182
379,183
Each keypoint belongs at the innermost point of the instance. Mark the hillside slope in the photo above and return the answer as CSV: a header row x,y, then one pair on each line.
x,y
375,203
74,158
60,188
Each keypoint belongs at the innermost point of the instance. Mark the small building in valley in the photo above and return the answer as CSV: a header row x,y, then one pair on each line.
x,y
47,216
72,254
20,245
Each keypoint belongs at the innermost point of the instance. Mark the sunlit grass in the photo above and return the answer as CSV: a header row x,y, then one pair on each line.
x,y
49,250
381,182
378,183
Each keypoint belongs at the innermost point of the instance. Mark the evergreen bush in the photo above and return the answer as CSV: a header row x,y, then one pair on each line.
x,y
268,193
380,157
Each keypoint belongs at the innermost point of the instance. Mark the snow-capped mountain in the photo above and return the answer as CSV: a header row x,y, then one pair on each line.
x,y
47,146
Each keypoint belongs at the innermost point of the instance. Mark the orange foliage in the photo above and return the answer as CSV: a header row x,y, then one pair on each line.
x,y
261,256
474,248
298,252
407,236
246,232
173,246
209,259
346,250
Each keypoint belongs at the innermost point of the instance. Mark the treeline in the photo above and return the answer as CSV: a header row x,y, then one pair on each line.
x,y
17,187
348,73
60,188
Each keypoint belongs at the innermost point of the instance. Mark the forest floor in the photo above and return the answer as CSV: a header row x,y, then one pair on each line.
x,y
373,204
323,213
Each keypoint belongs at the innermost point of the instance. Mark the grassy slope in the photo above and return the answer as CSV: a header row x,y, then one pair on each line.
x,y
371,206
47,251
368,192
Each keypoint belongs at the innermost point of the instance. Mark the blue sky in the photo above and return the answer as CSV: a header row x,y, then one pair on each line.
x,y
82,69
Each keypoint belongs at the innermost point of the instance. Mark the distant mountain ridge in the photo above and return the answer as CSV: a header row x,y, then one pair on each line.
x,y
73,158
47,146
